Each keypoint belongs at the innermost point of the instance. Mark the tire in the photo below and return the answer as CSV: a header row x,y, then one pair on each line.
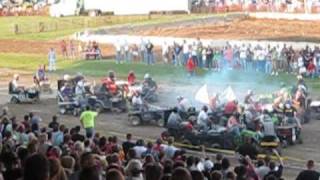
x,y
75,112
160,122
134,120
98,107
14,100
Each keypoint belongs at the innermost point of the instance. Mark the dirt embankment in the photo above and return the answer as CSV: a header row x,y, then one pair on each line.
x,y
251,29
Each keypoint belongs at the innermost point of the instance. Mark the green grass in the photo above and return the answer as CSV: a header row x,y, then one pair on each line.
x,y
161,72
26,62
70,25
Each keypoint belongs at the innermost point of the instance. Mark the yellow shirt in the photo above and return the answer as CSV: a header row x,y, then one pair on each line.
x,y
88,118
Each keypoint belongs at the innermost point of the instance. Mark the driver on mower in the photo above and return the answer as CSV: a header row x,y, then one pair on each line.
x,y
20,93
149,89
110,84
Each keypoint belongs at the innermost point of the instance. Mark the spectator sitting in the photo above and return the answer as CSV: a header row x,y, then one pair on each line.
x,y
309,173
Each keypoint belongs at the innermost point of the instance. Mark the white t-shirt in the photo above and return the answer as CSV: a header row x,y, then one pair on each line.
x,y
202,118
185,48
136,100
139,150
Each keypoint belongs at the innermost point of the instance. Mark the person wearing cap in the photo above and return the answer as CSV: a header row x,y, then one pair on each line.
x,y
149,86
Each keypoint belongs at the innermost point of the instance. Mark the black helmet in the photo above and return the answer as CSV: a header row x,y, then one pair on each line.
x,y
111,74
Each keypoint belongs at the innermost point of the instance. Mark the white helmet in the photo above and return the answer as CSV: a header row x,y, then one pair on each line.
x,y
250,92
281,106
147,76
66,77
179,98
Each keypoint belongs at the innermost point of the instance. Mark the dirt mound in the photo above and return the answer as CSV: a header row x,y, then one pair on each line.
x,y
243,29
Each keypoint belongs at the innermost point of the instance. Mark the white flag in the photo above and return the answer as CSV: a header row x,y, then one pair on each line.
x,y
228,95
202,95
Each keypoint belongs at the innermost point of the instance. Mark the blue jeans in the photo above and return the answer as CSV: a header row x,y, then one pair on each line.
x,y
268,67
150,58
118,57
243,63
143,56
89,132
185,58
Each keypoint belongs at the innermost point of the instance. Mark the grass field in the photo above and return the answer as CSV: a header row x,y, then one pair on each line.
x,y
68,25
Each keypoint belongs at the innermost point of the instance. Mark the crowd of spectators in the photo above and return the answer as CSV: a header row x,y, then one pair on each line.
x,y
32,152
292,6
247,57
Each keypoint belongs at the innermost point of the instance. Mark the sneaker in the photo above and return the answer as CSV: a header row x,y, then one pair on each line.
x,y
272,74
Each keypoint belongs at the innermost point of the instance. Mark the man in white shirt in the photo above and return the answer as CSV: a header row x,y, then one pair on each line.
x,y
52,60
202,119
183,104
165,52
118,52
243,57
142,50
185,50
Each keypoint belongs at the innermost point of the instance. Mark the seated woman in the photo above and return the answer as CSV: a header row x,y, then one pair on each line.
x,y
41,74
67,91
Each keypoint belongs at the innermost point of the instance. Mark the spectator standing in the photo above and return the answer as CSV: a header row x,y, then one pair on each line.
x,y
165,52
128,144
177,60
64,50
190,65
185,51
142,51
52,59
275,61
268,64
209,58
72,49
309,173
118,52
243,57
87,120
150,57
126,51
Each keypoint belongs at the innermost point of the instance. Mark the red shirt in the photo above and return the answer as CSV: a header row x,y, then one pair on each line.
x,y
230,107
110,85
311,67
190,65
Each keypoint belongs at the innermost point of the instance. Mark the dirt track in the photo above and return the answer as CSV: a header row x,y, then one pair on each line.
x,y
41,47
